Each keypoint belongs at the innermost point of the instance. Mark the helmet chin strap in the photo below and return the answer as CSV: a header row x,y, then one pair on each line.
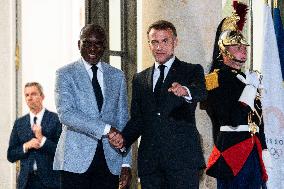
x,y
231,56
240,61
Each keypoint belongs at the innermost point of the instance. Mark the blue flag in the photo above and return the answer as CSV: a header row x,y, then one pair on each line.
x,y
279,37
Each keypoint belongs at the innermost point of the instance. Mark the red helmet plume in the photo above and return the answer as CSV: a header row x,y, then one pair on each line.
x,y
241,9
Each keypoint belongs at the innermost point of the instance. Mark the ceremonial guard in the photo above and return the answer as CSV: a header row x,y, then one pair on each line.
x,y
240,153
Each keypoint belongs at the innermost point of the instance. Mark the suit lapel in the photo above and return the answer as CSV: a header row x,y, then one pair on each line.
x,y
172,74
44,120
85,84
169,98
83,78
149,78
149,89
108,78
27,127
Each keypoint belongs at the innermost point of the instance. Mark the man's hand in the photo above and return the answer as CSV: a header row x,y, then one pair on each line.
x,y
178,90
125,177
34,143
37,131
253,78
253,82
113,131
115,138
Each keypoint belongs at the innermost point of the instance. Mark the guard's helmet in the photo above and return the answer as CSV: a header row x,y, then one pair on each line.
x,y
231,35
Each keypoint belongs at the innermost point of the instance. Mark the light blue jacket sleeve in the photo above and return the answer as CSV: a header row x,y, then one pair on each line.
x,y
69,114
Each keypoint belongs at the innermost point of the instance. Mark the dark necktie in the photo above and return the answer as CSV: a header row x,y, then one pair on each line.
x,y
35,118
97,88
158,86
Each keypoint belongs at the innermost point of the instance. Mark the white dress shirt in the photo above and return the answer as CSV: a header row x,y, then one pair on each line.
x,y
100,77
38,122
39,117
168,65
100,74
156,74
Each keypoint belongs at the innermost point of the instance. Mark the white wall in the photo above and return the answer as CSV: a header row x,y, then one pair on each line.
x,y
7,92
50,30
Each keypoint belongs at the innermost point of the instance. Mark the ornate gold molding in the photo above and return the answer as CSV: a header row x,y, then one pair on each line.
x,y
275,3
17,167
17,57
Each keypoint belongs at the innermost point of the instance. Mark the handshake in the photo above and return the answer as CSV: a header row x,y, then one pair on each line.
x,y
116,139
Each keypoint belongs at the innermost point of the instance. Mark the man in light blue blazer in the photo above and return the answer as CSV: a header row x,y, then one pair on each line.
x,y
91,100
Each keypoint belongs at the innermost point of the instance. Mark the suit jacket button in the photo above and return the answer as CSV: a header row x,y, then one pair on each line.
x,y
158,113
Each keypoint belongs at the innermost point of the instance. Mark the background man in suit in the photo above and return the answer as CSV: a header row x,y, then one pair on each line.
x,y
163,113
33,141
91,100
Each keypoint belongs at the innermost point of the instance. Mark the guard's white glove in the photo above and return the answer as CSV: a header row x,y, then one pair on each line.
x,y
266,157
252,78
252,82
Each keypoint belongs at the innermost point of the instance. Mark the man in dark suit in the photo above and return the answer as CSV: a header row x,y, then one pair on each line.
x,y
33,141
163,107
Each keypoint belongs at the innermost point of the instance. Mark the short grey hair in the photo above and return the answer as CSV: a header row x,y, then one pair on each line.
x,y
37,85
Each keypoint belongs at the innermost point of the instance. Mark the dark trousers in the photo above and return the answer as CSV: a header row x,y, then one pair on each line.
x,y
97,176
248,178
171,179
34,182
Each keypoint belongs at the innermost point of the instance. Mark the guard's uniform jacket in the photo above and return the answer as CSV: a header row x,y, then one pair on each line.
x,y
232,148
